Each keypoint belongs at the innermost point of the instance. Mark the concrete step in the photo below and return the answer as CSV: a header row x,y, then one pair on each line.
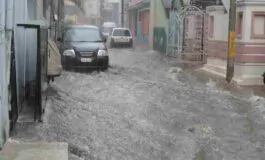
x,y
216,69
14,150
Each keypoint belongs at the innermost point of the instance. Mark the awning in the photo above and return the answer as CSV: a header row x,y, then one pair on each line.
x,y
137,4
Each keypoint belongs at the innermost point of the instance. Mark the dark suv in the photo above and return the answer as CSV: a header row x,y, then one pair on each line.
x,y
84,47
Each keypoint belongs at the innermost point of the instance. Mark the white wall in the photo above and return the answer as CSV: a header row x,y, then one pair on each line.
x,y
220,32
247,20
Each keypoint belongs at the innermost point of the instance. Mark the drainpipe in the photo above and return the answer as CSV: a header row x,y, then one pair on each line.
x,y
2,73
9,26
9,14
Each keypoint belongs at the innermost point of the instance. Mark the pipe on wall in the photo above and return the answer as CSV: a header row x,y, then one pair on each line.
x,y
2,73
9,14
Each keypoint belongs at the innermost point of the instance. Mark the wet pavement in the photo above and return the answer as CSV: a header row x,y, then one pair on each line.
x,y
146,108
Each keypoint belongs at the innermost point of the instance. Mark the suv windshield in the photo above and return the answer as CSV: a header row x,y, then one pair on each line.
x,y
121,32
83,35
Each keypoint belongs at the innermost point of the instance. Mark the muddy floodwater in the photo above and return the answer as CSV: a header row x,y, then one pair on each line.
x,y
144,108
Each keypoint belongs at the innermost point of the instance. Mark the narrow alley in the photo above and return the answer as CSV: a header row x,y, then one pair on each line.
x,y
142,108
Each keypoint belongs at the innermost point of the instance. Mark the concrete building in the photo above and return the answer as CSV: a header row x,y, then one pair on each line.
x,y
148,21
110,12
92,11
113,11
250,41
139,18
75,14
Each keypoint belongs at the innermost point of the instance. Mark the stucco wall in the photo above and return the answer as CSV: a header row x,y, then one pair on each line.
x,y
160,27
220,23
250,52
160,15
247,20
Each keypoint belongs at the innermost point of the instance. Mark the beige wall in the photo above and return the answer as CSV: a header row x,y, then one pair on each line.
x,y
220,23
250,52
247,21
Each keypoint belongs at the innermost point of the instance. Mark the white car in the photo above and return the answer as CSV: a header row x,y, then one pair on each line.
x,y
121,37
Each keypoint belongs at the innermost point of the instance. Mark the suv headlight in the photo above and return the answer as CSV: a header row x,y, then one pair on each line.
x,y
69,52
102,52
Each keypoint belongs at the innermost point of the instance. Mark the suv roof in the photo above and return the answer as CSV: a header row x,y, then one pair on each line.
x,y
121,29
109,24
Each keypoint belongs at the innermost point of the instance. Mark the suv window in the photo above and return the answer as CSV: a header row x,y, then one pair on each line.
x,y
121,32
83,35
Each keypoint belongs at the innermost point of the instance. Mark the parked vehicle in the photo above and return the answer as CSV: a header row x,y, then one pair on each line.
x,y
107,28
121,37
84,47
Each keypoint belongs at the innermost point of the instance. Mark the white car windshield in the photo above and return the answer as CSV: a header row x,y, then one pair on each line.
x,y
121,32
83,35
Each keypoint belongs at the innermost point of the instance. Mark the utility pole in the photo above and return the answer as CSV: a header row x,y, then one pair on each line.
x,y
101,9
231,42
122,13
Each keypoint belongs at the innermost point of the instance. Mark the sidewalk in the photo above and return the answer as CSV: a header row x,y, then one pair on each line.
x,y
39,150
14,150
203,76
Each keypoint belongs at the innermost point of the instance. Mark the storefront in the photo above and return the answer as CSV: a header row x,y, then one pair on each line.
x,y
139,16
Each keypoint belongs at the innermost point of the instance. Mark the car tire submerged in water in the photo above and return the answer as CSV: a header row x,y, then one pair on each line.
x,y
105,65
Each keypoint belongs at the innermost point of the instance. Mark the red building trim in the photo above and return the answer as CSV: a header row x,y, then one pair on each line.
x,y
245,52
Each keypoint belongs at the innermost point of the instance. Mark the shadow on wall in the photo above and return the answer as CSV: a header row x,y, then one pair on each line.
x,y
160,39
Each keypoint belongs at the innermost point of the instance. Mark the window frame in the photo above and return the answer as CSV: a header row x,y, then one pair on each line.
x,y
253,35
239,24
211,26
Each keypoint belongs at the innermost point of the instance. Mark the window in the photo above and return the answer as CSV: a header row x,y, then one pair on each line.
x,y
121,32
211,26
83,35
239,24
258,25
32,13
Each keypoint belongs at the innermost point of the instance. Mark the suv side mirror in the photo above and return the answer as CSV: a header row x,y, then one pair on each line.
x,y
59,39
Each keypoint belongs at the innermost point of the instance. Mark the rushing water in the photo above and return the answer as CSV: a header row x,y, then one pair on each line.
x,y
143,108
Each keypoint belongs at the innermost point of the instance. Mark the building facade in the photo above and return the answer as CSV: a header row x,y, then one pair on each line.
x,y
92,11
19,49
149,22
139,18
250,41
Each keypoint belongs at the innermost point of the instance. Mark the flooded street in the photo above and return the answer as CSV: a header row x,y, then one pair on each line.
x,y
142,108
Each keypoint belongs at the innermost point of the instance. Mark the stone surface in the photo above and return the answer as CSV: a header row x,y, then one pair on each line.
x,y
34,151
